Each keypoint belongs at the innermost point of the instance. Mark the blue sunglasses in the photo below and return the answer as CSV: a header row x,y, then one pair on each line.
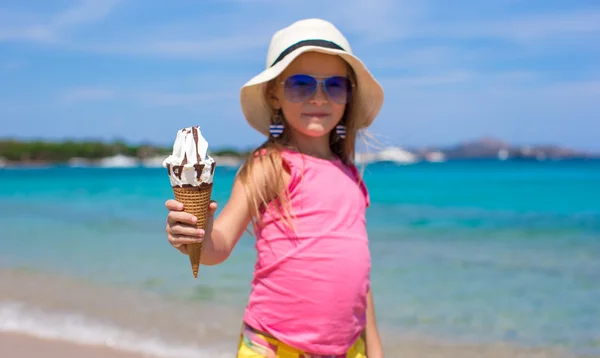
x,y
300,88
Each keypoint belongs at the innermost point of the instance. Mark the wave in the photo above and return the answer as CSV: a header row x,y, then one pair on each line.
x,y
16,317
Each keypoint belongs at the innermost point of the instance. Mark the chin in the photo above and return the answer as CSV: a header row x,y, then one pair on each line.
x,y
316,131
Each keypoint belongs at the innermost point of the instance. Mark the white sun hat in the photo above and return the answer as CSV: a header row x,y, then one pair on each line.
x,y
289,43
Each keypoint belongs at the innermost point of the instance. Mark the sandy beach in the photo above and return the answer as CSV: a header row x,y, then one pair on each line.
x,y
21,346
42,314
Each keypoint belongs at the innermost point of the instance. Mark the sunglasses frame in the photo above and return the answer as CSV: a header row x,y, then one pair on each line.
x,y
320,81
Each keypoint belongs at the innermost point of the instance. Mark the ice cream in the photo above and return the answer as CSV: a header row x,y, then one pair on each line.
x,y
191,172
190,164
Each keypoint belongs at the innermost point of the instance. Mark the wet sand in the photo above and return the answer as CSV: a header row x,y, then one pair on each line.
x,y
421,349
21,346
148,323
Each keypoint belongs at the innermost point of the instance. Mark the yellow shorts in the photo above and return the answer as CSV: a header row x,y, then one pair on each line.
x,y
261,346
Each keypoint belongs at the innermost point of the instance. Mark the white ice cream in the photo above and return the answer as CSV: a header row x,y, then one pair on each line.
x,y
190,164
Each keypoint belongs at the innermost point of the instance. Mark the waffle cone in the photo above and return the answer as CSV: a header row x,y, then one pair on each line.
x,y
195,201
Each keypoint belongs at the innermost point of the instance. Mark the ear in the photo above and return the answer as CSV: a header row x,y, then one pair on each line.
x,y
272,97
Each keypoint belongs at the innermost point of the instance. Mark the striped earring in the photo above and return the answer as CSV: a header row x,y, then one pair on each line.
x,y
276,127
340,129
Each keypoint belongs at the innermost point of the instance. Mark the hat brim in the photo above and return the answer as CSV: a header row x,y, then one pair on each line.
x,y
367,96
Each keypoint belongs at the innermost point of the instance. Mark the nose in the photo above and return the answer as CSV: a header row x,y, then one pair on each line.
x,y
320,97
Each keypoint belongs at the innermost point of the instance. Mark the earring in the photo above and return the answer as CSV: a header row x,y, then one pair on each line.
x,y
276,128
340,129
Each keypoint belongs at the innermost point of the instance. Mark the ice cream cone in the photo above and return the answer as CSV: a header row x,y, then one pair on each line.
x,y
195,201
191,171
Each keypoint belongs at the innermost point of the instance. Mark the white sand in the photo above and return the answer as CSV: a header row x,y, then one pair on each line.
x,y
22,346
14,345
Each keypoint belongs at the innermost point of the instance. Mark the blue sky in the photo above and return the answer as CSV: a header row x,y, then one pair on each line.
x,y
522,71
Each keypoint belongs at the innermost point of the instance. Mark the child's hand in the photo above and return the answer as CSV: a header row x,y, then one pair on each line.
x,y
181,226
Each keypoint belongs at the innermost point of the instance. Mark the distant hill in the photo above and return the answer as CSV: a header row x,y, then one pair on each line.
x,y
45,152
490,148
12,150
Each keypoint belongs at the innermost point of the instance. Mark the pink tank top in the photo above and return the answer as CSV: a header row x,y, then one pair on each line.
x,y
310,286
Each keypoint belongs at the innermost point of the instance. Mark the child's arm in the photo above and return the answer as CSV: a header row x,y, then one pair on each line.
x,y
374,348
223,234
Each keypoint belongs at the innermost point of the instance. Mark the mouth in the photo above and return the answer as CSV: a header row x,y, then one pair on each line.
x,y
316,114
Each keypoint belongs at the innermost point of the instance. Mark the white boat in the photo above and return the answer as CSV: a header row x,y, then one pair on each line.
x,y
395,155
118,161
364,158
154,162
503,154
435,157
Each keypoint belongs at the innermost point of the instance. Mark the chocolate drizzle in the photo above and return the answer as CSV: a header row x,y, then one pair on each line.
x,y
212,169
195,134
178,171
198,168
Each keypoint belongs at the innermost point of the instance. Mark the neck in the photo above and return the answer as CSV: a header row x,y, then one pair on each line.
x,y
316,147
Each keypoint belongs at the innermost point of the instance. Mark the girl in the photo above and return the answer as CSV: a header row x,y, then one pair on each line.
x,y
305,199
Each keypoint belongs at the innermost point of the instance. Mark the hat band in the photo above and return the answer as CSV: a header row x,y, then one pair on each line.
x,y
297,45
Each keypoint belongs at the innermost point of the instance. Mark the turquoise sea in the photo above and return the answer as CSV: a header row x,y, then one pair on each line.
x,y
477,251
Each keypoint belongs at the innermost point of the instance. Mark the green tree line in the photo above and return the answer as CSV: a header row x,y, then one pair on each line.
x,y
49,151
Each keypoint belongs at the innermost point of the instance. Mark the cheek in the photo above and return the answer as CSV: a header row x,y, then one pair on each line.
x,y
338,110
291,110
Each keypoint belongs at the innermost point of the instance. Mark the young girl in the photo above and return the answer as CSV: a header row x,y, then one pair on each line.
x,y
305,199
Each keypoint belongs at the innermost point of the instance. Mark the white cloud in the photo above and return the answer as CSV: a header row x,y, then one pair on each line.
x,y
429,80
526,28
387,20
86,11
88,94
234,33
165,99
509,81
237,32
239,29
378,20
213,47
421,57
589,89
145,97
49,29
12,66
34,33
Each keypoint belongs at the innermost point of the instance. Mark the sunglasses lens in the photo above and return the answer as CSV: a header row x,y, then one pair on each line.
x,y
338,89
299,88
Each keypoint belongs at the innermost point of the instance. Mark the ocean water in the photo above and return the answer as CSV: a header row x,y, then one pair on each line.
x,y
479,252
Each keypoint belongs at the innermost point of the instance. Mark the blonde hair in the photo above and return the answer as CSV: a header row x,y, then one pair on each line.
x,y
272,192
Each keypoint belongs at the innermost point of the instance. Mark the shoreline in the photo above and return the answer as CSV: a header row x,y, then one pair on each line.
x,y
233,163
87,325
19,345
